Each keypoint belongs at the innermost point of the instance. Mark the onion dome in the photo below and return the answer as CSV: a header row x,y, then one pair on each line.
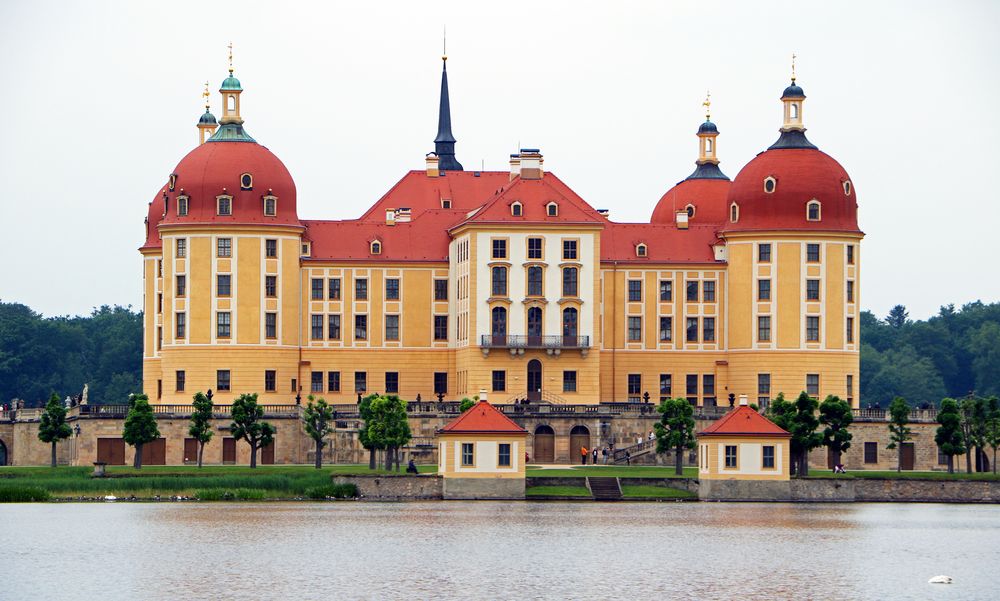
x,y
231,83
207,118
708,128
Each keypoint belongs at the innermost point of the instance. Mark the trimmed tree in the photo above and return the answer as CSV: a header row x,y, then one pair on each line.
x,y
392,427
675,430
140,426
949,434
53,426
248,425
972,417
201,422
368,435
836,415
317,419
992,432
899,432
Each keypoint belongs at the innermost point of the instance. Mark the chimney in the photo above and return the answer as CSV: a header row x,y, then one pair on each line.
x,y
390,216
482,394
515,166
682,220
743,400
531,163
433,163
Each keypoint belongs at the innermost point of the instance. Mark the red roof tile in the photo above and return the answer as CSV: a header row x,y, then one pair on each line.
x,y
707,195
535,196
425,238
664,243
744,421
482,418
420,193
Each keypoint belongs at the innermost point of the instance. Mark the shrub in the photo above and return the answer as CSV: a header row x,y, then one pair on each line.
x,y
336,491
23,494
240,494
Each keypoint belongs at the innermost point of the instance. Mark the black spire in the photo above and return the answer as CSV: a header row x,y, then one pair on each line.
x,y
444,143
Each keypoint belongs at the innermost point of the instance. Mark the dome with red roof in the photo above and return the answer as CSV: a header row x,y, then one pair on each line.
x,y
153,218
707,196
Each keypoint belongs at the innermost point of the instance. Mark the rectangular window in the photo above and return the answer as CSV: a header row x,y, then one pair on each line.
x,y
635,329
764,328
764,290
392,289
499,380
534,248
850,291
692,291
440,382
812,384
812,290
850,386
764,253
333,381
666,329
708,329
691,385
392,382
295,385
159,303
731,456
225,206
360,382
159,337
763,389
333,327
708,292
182,206
666,291
222,381
181,320
850,254
440,327
180,377
767,460
270,206
871,448
317,327
182,245
499,249
569,381
223,284
270,325
270,286
503,454
181,285
850,329
812,253
570,281
569,250
499,281
534,281
361,289
812,329
316,382
361,327
692,329
270,380
942,458
271,249
665,386
224,247
392,327
333,288
634,385
440,290
317,289
634,291
468,459
222,323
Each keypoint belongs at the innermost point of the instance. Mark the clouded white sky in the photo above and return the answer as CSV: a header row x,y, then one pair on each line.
x,y
99,102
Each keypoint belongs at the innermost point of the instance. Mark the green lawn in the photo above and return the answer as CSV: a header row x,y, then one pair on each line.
x,y
905,474
612,471
656,492
557,491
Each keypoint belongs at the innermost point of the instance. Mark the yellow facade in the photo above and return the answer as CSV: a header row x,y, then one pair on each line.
x,y
743,458
469,455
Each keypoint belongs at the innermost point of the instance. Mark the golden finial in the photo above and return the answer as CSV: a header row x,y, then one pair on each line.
x,y
444,44
230,58
206,95
793,67
708,105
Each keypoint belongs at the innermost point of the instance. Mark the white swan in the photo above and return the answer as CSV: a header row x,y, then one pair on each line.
x,y
940,580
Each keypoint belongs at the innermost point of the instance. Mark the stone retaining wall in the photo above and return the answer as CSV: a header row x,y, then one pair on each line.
x,y
395,488
848,490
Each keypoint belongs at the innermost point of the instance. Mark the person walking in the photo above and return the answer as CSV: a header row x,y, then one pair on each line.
x,y
583,455
594,453
628,458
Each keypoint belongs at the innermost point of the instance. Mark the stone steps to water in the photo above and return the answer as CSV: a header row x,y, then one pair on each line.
x,y
604,489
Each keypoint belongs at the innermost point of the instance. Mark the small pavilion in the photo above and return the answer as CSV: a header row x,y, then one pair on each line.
x,y
744,445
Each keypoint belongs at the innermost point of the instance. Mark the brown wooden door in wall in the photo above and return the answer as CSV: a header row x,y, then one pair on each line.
x,y
579,438
155,453
267,455
190,450
228,450
544,445
111,451
909,455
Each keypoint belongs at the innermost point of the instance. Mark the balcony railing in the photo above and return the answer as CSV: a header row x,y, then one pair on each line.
x,y
528,341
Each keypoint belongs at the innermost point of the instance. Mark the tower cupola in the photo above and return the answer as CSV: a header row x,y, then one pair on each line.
x,y
444,142
231,129
793,129
707,165
206,123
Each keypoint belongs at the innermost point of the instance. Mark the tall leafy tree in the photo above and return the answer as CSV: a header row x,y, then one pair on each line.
x,y
368,435
898,317
949,434
53,427
140,426
317,420
899,431
991,435
201,422
248,424
675,430
799,419
836,415
972,418
391,427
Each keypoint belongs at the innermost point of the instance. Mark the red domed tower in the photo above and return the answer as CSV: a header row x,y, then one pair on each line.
x,y
793,247
222,252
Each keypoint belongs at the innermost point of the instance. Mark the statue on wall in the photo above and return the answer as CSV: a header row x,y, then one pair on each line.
x,y
83,398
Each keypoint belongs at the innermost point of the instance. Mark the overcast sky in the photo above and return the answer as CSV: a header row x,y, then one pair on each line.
x,y
99,102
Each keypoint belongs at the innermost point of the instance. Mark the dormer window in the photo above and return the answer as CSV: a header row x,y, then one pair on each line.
x,y
516,209
640,250
246,182
770,184
182,206
690,211
734,213
173,181
270,206
813,210
376,247
224,205
445,203
552,209
306,248
847,188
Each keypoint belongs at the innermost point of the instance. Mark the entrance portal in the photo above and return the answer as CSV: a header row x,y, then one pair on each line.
x,y
534,380
545,445
3,453
579,437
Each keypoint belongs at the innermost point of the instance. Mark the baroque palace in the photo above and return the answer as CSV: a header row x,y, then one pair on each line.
x,y
457,281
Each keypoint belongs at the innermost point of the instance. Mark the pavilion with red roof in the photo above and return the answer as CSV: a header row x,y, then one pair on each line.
x,y
743,445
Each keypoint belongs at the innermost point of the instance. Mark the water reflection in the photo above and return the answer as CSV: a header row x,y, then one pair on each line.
x,y
497,550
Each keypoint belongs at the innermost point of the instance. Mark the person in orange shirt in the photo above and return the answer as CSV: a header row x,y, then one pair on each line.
x,y
583,455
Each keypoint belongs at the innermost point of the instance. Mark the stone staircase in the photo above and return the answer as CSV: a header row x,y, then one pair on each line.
x,y
604,489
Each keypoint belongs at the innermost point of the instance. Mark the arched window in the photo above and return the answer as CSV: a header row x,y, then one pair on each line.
x,y
708,145
640,250
499,279
795,110
570,281
231,102
376,247
569,322
690,211
498,324
535,323
770,184
534,281
813,210
734,213
516,210
552,209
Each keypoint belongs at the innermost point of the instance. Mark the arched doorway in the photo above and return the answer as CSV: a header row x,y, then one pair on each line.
x,y
579,437
498,326
534,326
534,380
544,445
3,453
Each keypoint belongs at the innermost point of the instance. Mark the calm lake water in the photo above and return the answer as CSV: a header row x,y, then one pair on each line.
x,y
490,550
